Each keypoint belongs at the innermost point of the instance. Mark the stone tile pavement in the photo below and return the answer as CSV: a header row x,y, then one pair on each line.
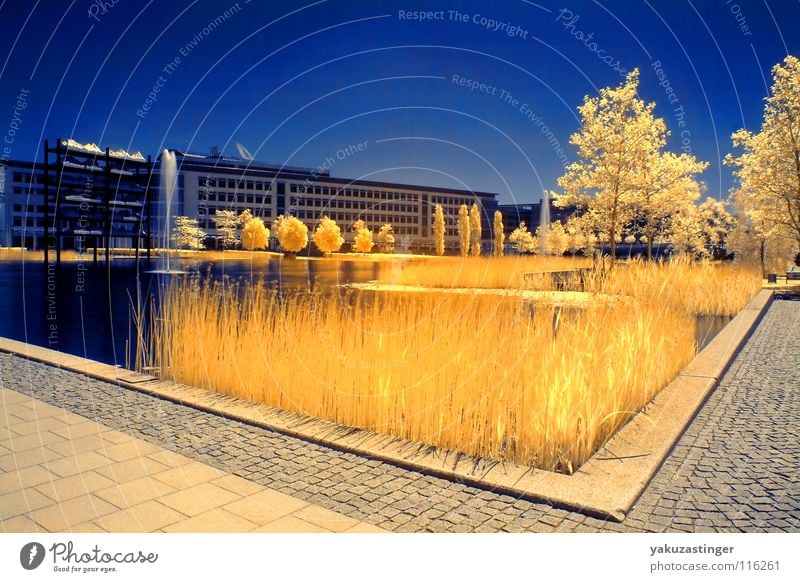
x,y
63,472
735,469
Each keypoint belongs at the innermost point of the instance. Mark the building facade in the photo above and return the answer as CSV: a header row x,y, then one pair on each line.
x,y
207,184
96,195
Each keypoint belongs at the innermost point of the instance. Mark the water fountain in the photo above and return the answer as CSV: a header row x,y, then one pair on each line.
x,y
166,190
544,225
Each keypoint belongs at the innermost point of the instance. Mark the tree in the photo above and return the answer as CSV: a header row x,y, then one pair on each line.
x,y
475,230
581,236
385,239
667,186
499,235
254,234
686,232
327,236
363,240
186,233
717,225
522,240
463,230
618,135
556,239
438,230
245,217
768,171
357,226
291,233
227,224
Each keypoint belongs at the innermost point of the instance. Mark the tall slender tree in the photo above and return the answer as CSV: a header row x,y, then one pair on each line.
x,y
499,234
475,230
463,230
438,230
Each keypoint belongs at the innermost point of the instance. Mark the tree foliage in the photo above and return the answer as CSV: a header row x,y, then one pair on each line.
x,y
292,234
463,230
254,234
667,186
522,240
768,170
717,224
385,239
327,236
186,233
475,230
363,240
438,230
499,234
618,136
227,224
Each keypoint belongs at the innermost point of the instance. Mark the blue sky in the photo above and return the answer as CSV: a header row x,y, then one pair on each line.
x,y
478,95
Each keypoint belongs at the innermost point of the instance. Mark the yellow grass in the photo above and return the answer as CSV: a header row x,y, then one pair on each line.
x,y
480,272
493,374
700,287
484,375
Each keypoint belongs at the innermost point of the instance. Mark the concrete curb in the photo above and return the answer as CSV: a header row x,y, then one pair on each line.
x,y
606,486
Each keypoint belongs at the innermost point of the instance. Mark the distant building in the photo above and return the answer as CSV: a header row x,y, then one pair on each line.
x,y
210,183
88,197
98,197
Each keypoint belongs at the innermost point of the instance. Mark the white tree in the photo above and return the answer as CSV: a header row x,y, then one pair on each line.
x,y
385,239
227,224
768,170
522,240
717,224
619,133
667,185
186,234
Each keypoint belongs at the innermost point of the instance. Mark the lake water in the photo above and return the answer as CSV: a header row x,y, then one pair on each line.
x,y
86,310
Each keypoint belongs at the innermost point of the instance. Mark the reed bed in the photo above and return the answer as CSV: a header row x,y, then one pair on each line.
x,y
508,272
488,376
699,287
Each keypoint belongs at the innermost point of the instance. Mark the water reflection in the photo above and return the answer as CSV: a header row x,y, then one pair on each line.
x,y
86,310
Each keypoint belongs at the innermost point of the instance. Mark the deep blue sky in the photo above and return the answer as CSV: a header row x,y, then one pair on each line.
x,y
298,88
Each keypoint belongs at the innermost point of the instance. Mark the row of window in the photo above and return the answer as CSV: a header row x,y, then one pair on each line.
x,y
451,200
352,192
205,182
239,198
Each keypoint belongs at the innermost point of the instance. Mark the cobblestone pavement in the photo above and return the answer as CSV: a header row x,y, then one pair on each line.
x,y
735,469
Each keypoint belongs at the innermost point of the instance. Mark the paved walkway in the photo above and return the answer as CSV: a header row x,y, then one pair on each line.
x,y
735,469
64,472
